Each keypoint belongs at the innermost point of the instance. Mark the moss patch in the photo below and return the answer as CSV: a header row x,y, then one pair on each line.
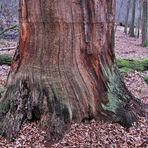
x,y
146,79
116,92
145,44
125,70
127,65
5,59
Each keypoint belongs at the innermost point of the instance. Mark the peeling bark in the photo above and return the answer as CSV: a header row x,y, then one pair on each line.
x,y
86,20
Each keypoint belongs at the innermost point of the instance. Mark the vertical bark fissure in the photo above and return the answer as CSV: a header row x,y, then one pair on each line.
x,y
74,58
63,74
78,63
132,25
68,66
86,21
78,83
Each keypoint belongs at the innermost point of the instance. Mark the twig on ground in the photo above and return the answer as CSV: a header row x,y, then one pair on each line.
x,y
8,48
11,27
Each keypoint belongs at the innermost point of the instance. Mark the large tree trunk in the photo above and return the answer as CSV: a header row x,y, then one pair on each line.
x,y
145,24
64,68
132,25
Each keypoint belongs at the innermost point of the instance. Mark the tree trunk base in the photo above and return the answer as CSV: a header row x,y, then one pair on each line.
x,y
64,68
24,101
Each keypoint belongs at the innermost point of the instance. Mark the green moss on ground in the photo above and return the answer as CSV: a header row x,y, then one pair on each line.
x,y
5,59
145,44
125,70
127,65
146,79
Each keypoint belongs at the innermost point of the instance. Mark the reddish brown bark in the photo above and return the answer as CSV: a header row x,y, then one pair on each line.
x,y
64,68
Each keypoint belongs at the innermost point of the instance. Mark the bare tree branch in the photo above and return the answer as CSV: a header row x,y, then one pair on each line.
x,y
8,49
6,30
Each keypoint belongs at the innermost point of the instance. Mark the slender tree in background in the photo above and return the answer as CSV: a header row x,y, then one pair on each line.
x,y
127,16
132,24
139,18
118,16
64,68
145,23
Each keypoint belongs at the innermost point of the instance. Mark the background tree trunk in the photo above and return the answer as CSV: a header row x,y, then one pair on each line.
x,y
64,68
139,18
145,23
119,14
132,25
127,16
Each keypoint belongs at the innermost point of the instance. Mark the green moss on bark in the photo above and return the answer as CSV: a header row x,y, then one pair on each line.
x,y
116,92
112,87
119,97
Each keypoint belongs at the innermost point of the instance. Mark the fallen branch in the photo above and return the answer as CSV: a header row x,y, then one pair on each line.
x,y
12,27
8,49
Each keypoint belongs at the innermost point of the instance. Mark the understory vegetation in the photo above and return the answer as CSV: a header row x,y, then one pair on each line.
x,y
128,65
5,59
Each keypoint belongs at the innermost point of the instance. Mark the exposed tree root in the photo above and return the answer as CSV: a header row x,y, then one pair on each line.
x,y
24,101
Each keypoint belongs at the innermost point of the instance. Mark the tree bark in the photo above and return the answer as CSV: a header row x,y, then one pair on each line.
x,y
64,68
127,16
139,18
132,25
118,16
145,24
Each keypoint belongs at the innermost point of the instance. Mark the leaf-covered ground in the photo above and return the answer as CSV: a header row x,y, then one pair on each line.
x,y
93,134
129,47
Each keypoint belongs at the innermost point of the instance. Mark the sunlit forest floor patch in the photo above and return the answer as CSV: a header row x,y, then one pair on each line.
x,y
129,48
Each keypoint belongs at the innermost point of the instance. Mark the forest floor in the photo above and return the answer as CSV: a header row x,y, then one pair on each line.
x,y
94,134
